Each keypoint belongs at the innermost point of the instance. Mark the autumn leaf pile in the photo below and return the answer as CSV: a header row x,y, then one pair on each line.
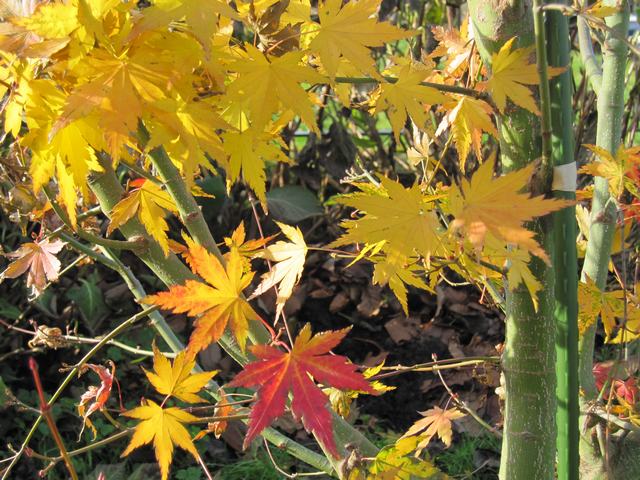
x,y
218,88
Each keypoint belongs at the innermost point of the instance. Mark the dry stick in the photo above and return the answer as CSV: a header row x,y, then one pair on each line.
x,y
45,411
435,366
115,332
84,340
462,404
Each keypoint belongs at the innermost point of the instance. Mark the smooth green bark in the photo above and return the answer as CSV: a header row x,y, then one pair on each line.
x,y
610,108
528,449
564,254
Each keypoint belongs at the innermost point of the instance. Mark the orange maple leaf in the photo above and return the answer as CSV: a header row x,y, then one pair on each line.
x,y
220,302
484,205
436,421
277,372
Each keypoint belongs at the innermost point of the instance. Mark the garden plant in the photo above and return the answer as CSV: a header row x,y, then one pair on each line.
x,y
182,179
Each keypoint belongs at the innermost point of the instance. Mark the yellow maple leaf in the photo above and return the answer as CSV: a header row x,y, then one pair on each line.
x,y
289,258
615,169
149,201
629,330
246,248
347,30
248,151
596,303
406,97
468,119
269,83
436,422
519,272
200,15
396,271
51,20
511,71
484,205
118,83
402,217
220,302
175,378
70,155
598,10
165,427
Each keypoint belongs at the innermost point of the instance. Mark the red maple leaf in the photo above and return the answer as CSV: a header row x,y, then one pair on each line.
x,y
96,397
625,388
276,373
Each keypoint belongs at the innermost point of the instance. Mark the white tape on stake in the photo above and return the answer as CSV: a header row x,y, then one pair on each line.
x,y
565,177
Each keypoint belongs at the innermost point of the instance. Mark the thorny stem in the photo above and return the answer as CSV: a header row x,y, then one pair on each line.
x,y
45,411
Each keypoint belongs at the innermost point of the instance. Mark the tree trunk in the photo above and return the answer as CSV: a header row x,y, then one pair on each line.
x,y
528,449
603,219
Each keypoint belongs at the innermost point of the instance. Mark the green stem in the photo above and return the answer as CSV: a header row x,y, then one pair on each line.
x,y
592,67
528,447
603,211
564,255
188,208
136,244
544,91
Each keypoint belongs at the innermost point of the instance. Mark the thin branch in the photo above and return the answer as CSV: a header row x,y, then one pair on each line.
x,y
436,366
593,68
93,446
114,333
137,245
463,405
45,411
469,92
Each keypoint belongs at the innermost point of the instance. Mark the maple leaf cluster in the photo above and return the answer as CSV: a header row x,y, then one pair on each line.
x,y
407,241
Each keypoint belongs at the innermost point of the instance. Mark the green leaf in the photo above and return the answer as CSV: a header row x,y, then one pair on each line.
x,y
3,393
7,310
292,204
89,299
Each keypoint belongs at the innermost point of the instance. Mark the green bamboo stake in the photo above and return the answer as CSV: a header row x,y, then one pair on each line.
x,y
528,447
564,256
